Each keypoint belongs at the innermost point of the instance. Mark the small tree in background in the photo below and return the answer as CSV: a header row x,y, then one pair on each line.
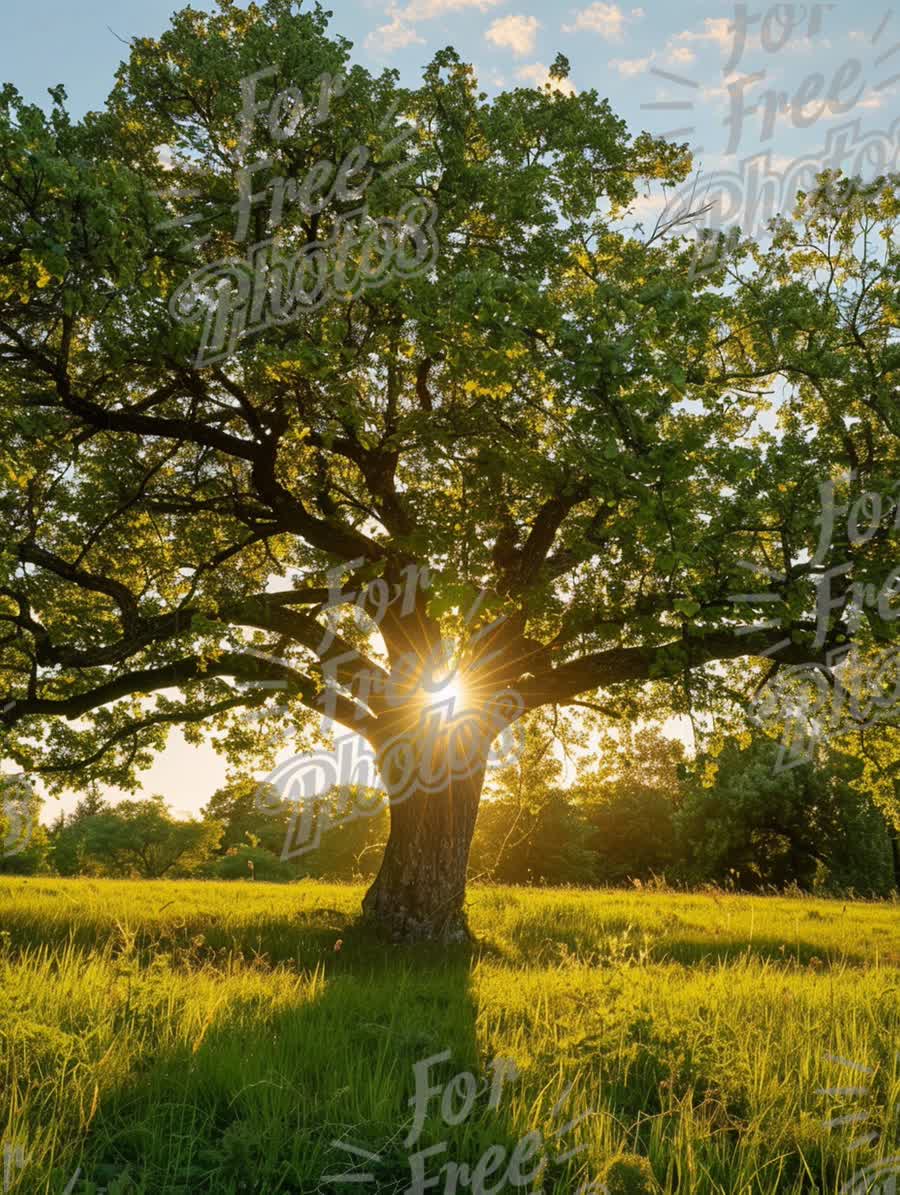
x,y
243,808
355,823
528,831
745,823
234,864
143,838
68,854
628,799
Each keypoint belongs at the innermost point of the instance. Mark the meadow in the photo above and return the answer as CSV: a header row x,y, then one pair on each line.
x,y
185,1037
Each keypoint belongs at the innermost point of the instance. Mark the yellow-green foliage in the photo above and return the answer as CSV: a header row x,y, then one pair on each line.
x,y
192,1037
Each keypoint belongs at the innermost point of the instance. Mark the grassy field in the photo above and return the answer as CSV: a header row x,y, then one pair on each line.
x,y
199,1037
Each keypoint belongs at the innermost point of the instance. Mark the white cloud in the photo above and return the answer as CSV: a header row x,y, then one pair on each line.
x,y
821,110
394,36
724,33
717,29
516,33
538,75
720,91
606,19
427,10
399,31
680,56
631,66
671,56
875,100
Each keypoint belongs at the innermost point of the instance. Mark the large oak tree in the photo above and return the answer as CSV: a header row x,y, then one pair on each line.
x,y
559,417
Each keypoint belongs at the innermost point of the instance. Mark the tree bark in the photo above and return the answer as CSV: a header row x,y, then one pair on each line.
x,y
419,892
432,758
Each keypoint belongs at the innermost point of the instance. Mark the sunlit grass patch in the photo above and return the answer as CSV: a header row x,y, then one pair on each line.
x,y
190,1037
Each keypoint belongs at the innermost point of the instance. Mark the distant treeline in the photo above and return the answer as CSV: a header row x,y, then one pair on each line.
x,y
731,820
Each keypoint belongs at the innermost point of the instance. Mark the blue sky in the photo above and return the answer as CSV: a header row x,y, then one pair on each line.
x,y
616,49
824,88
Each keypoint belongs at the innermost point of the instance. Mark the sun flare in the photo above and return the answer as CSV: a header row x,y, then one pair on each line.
x,y
451,691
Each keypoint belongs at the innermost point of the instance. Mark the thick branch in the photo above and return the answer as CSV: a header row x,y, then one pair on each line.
x,y
142,682
601,669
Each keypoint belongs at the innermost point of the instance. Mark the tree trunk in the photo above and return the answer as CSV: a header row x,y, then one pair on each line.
x,y
419,892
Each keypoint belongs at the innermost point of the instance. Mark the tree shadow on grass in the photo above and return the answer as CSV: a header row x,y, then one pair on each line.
x,y
282,1089
619,940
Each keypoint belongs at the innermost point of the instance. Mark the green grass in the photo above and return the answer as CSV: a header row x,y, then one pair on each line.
x,y
190,1037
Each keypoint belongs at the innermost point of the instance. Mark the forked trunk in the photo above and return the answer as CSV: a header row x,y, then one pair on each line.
x,y
419,892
